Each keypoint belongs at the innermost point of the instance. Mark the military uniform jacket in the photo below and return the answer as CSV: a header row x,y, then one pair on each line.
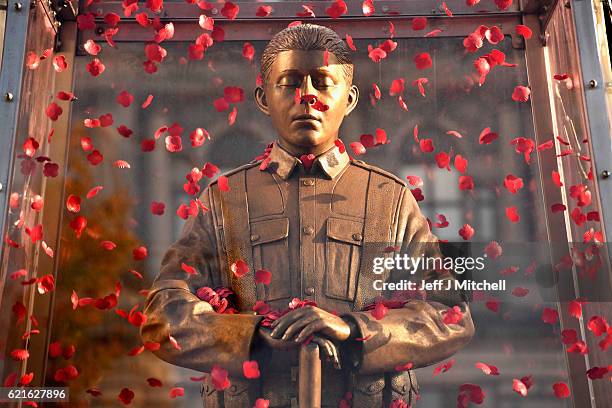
x,y
317,231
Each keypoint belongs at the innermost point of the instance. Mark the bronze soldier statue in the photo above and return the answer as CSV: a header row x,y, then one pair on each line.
x,y
315,219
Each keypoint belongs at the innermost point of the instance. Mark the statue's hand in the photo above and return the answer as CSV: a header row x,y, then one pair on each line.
x,y
264,334
299,324
326,347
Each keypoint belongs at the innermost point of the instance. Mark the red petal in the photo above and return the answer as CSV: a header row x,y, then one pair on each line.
x,y
557,207
444,367
397,87
466,183
419,23
423,60
59,63
263,11
561,390
486,136
53,111
263,276
250,369
95,67
230,10
140,253
157,208
108,245
521,94
349,41
122,164
223,183
154,382
461,163
219,378
377,93
176,392
95,157
189,269
337,9
550,316
358,148
126,396
512,214
415,181
513,183
147,102
73,203
379,311
94,191
466,232
233,94
487,369
598,325
125,99
239,268
523,30
231,117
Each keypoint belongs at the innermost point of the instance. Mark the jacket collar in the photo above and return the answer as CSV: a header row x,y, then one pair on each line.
x,y
330,162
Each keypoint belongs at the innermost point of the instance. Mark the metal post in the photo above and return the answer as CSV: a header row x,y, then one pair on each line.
x,y
11,74
310,377
595,100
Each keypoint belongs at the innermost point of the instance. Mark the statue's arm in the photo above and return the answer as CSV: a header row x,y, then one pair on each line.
x,y
205,338
415,333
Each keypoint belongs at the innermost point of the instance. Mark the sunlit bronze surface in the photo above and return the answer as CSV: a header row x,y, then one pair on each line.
x,y
316,228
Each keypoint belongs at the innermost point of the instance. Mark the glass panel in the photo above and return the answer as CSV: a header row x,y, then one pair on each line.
x,y
23,259
591,273
513,338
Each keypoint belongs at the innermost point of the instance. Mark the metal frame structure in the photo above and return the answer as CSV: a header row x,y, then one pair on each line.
x,y
596,108
534,13
11,76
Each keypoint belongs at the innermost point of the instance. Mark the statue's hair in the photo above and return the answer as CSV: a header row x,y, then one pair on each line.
x,y
307,37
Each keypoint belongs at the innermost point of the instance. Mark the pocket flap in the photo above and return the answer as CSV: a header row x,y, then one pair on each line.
x,y
349,231
269,230
400,383
237,387
370,385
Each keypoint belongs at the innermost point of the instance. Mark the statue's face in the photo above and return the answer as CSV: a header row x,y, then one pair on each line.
x,y
306,70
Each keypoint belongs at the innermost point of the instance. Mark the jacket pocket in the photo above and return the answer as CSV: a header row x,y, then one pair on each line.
x,y
404,387
368,390
270,242
343,255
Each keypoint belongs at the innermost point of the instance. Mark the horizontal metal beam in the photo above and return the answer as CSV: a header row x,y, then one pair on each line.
x,y
263,29
289,9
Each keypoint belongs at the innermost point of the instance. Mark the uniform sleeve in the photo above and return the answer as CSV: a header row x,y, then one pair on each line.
x,y
205,337
415,333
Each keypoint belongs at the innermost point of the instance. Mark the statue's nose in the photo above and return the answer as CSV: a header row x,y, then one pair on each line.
x,y
307,87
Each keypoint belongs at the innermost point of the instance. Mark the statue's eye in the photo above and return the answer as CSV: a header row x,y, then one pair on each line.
x,y
324,82
290,81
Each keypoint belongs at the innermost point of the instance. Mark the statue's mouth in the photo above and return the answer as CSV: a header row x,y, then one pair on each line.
x,y
306,116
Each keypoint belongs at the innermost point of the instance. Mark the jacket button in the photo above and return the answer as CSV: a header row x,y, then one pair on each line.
x,y
308,182
308,230
254,237
310,291
357,237
404,387
233,388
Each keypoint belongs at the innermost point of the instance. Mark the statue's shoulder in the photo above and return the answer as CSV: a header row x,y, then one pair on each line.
x,y
376,169
245,167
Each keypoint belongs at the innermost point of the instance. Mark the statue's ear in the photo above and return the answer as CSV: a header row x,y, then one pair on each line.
x,y
353,98
260,100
